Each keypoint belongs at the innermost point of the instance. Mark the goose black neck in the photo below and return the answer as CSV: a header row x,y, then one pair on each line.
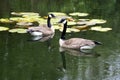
x,y
48,22
64,31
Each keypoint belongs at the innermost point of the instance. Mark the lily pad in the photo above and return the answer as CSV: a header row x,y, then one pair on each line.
x,y
78,14
3,28
90,23
23,13
83,19
18,30
24,23
31,16
68,30
56,27
81,27
75,30
99,28
41,21
16,19
98,21
81,23
71,23
5,20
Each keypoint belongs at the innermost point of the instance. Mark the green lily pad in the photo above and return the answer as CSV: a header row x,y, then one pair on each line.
x,y
5,20
81,23
56,27
81,27
16,19
3,28
71,23
75,30
83,19
24,23
42,21
23,13
78,14
55,20
99,28
31,16
67,31
98,21
90,23
18,30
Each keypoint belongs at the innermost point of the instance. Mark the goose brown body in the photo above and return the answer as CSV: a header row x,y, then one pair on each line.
x,y
76,43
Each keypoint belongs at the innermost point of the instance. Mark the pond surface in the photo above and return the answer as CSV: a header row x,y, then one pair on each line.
x,y
21,59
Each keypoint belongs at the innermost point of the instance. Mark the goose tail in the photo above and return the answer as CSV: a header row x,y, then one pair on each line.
x,y
97,43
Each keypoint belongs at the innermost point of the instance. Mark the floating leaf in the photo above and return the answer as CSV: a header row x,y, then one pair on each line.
x,y
42,21
16,19
78,14
24,13
55,20
68,30
5,20
31,16
98,21
18,30
56,27
81,27
3,28
90,23
83,20
105,29
99,28
24,23
16,13
75,30
57,13
21,19
71,23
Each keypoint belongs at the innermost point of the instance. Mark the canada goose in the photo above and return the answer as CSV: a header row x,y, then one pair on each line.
x,y
75,43
43,30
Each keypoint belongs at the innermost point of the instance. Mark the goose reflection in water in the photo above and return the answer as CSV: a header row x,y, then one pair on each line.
x,y
41,39
46,39
72,52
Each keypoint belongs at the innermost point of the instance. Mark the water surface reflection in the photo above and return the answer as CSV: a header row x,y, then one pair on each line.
x,y
34,60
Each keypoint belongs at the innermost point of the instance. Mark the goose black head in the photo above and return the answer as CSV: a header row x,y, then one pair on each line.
x,y
63,20
51,15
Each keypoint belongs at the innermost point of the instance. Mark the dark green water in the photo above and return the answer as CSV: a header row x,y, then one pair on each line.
x,y
21,59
